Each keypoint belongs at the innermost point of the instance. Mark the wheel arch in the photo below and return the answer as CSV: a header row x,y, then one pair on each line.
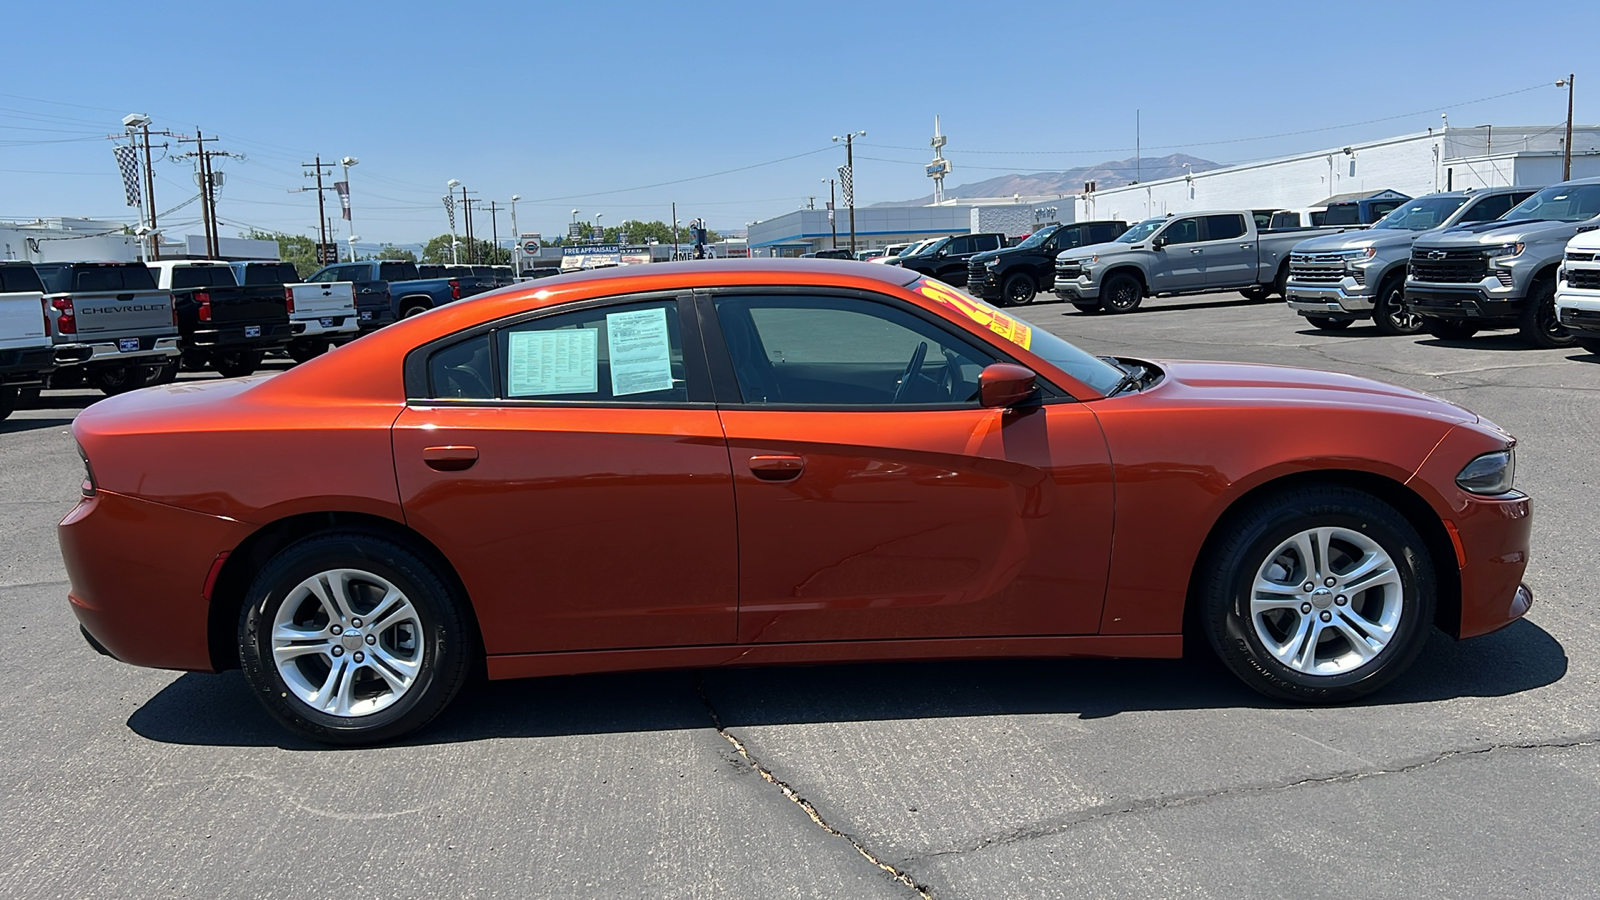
x,y
1126,269
253,553
1412,506
409,300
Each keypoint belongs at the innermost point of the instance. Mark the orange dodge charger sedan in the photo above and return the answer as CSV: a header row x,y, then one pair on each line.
x,y
772,461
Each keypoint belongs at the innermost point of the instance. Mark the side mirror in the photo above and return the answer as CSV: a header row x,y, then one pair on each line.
x,y
1003,385
1158,243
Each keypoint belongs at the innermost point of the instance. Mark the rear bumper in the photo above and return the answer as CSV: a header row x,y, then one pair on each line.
x,y
263,334
138,574
325,326
26,366
98,354
372,319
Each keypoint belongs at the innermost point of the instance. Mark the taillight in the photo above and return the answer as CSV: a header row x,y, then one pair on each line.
x,y
455,289
204,299
66,322
288,298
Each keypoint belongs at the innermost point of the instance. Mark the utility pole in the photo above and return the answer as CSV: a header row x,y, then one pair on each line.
x,y
322,213
674,229
847,178
494,229
466,209
1566,158
208,193
142,122
1138,156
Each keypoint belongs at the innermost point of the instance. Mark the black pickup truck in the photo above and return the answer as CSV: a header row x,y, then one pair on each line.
x,y
1015,275
220,323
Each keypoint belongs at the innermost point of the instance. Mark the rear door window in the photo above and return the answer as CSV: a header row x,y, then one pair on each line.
x,y
1490,208
959,245
1224,228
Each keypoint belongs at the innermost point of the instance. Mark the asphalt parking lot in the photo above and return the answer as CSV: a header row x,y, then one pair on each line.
x,y
1475,775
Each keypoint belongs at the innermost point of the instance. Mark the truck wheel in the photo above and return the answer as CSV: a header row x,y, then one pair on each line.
x,y
1121,293
1280,285
1449,330
166,374
1254,293
119,380
194,361
1325,323
1019,290
8,401
1389,311
1538,323
1087,306
307,350
410,311
236,363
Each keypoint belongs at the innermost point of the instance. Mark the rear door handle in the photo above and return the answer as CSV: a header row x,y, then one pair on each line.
x,y
453,458
777,466
1247,246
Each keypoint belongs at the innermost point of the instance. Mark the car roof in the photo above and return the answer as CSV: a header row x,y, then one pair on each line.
x,y
753,267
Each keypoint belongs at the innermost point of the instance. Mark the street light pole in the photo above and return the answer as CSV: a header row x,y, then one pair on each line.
x,y
1566,160
347,162
516,239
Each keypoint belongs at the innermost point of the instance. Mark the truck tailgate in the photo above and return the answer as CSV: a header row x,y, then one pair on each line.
x,y
315,301
263,304
104,314
22,321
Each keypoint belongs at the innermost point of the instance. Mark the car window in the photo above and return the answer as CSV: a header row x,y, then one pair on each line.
x,y
202,276
275,273
129,277
988,242
1182,231
1224,228
1382,208
958,245
395,271
845,351
1490,208
20,279
1262,217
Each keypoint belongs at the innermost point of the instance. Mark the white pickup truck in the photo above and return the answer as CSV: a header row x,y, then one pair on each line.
x,y
1578,290
320,313
26,352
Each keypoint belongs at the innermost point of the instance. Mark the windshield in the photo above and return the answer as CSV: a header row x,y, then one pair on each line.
x,y
1038,237
1561,203
933,247
1141,231
1421,215
916,248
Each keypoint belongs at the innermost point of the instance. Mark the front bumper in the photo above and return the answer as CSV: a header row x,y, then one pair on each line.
x,y
1344,297
1488,301
1078,288
138,574
983,284
1579,311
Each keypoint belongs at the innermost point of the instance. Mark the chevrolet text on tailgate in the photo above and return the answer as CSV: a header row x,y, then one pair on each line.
x,y
112,326
1193,253
1336,279
1502,274
222,323
26,354
319,314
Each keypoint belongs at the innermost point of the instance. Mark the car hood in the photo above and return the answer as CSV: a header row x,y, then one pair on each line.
x,y
1382,238
1087,250
1494,234
1246,384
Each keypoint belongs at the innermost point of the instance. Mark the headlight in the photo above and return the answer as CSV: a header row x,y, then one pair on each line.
x,y
1506,252
1359,254
1491,473
991,263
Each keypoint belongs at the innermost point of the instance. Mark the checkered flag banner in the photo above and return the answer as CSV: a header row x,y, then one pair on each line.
x,y
845,187
450,209
128,162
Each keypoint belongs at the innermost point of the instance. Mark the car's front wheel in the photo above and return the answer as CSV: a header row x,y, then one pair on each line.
x,y
1318,594
352,639
1121,293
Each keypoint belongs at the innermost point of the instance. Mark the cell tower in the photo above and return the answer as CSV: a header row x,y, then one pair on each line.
x,y
940,167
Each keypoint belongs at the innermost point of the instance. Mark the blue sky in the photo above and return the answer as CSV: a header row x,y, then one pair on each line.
x,y
575,105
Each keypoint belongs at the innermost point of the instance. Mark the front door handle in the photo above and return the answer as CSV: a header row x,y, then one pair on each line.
x,y
1195,250
777,466
453,458
1247,246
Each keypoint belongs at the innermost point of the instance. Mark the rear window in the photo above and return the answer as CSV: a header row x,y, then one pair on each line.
x,y
275,273
483,271
1342,214
20,280
397,271
202,276
96,277
430,271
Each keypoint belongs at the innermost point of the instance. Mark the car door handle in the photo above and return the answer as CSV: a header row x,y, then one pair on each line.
x,y
777,466
1196,250
453,458
1247,246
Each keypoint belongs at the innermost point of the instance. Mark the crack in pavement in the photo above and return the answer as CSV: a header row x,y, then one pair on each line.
x,y
793,797
1051,827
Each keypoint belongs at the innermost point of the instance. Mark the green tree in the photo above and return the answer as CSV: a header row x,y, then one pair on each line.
x,y
479,251
292,248
643,233
390,251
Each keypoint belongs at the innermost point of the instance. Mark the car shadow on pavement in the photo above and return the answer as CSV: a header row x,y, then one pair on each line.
x,y
13,426
215,710
1506,341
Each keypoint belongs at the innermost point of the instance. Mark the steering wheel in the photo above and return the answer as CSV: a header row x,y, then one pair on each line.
x,y
912,369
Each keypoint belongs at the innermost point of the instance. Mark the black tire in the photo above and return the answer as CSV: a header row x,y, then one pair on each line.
x,y
8,401
1253,542
1280,284
194,361
1254,293
1449,329
1325,323
1121,293
28,396
120,379
443,660
1590,345
236,363
1019,290
166,374
1087,306
1539,325
307,349
415,309
1389,311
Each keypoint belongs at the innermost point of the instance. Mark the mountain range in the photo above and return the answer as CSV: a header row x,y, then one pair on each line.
x,y
1113,173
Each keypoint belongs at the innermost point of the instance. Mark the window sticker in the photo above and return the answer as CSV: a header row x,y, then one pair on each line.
x,y
553,362
641,351
1013,330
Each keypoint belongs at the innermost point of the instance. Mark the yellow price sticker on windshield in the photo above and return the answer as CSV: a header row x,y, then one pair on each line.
x,y
1013,330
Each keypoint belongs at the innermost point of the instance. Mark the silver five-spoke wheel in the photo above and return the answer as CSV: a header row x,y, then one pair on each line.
x,y
347,642
1326,601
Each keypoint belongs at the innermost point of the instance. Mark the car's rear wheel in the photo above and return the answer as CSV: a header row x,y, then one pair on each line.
x,y
120,379
1327,323
1019,290
1121,293
166,374
1087,306
351,639
1539,324
415,310
236,363
1319,594
1449,329
1389,311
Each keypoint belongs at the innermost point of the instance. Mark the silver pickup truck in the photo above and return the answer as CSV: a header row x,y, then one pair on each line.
x,y
112,327
26,354
1502,274
1193,253
1339,278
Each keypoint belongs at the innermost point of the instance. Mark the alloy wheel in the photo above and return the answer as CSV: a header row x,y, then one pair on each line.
x,y
347,642
1326,601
